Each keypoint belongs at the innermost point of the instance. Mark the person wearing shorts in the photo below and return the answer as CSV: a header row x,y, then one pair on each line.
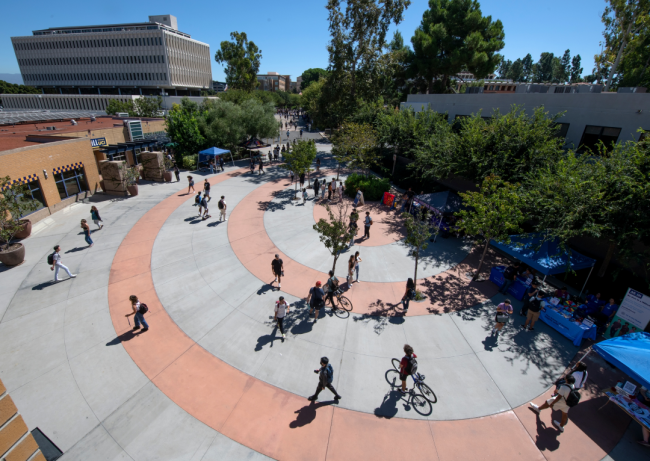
x,y
505,308
405,368
534,309
277,267
559,402
280,312
206,189
315,300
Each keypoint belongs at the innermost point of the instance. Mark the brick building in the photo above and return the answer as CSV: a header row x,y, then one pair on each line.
x,y
272,81
59,161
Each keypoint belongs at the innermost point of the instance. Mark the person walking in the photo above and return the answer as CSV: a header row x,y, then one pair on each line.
x,y
57,264
330,186
211,165
315,299
366,225
301,179
94,215
221,163
199,201
318,164
566,397
332,286
409,294
325,378
340,190
350,276
357,260
407,366
277,268
352,229
300,133
316,188
177,172
280,312
304,196
261,168
252,165
86,231
204,204
323,189
139,309
222,209
206,189
504,310
190,187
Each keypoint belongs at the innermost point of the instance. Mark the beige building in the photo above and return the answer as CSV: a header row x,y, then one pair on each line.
x,y
272,81
139,58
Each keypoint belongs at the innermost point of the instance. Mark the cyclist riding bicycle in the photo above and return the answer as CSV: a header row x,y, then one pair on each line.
x,y
408,366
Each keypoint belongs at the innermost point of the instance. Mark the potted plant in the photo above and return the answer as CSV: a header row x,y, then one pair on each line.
x,y
14,203
131,177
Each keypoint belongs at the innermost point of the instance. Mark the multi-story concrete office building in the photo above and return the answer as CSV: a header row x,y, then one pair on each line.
x,y
141,58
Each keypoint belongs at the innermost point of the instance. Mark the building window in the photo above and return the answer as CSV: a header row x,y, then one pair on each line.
x,y
593,134
33,192
563,129
70,183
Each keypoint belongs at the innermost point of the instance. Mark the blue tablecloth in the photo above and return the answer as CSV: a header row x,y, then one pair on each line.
x,y
517,289
567,327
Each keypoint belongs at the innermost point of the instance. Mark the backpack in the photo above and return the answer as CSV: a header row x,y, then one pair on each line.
x,y
412,365
197,199
50,258
329,373
334,284
220,204
204,202
143,308
573,398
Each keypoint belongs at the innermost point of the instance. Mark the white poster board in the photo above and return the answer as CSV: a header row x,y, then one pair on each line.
x,y
635,309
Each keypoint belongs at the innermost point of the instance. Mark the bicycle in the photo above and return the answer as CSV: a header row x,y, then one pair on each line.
x,y
343,302
418,379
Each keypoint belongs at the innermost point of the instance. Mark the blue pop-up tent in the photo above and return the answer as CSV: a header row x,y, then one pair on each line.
x,y
441,202
629,353
213,152
545,256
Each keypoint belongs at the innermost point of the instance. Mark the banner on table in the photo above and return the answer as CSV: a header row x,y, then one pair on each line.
x,y
388,199
633,315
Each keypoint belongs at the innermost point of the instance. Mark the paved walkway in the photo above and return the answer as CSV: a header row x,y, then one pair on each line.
x,y
210,380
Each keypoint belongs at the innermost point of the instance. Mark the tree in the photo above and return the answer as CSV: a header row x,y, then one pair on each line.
x,y
299,159
516,73
417,236
183,130
12,88
504,68
543,69
453,36
335,233
356,145
312,75
576,70
563,69
623,20
527,68
144,106
492,214
242,59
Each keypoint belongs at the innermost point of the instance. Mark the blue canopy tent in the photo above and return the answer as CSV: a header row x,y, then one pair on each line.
x,y
629,353
441,202
213,152
546,257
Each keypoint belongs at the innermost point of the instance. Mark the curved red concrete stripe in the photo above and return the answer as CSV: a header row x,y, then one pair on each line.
x,y
278,423
448,291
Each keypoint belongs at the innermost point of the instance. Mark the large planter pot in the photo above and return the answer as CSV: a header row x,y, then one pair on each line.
x,y
167,176
26,231
133,190
14,256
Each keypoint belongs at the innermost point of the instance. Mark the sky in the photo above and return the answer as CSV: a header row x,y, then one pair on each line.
x,y
293,37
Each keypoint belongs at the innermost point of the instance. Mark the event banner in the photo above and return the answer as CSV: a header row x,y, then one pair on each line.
x,y
633,315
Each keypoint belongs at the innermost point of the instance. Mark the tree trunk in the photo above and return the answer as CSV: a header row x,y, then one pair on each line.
x,y
480,264
608,258
338,172
612,71
336,257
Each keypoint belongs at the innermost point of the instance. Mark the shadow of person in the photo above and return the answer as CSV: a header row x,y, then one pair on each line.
x,y
388,407
265,288
266,339
490,343
307,414
40,286
546,438
74,250
121,338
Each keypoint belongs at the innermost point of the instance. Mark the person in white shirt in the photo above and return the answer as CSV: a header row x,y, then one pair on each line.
x,y
281,309
559,402
222,209
367,223
57,264
340,190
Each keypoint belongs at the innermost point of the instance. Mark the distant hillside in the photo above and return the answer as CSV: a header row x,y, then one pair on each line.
x,y
12,78
10,88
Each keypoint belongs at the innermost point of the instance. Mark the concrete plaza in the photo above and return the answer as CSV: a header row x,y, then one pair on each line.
x,y
212,379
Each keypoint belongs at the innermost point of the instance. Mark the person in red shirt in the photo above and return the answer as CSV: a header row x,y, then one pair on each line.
x,y
407,366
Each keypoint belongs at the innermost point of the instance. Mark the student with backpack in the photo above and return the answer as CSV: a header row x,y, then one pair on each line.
x,y
139,309
325,378
407,366
567,397
54,260
315,300
409,294
94,215
204,204
280,312
222,209
198,201
206,189
332,285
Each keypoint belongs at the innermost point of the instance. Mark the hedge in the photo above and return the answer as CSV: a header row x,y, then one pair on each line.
x,y
189,162
373,188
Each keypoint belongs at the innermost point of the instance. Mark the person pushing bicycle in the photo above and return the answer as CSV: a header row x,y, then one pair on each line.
x,y
408,366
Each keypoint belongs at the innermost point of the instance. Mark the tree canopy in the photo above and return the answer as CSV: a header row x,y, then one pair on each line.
x,y
144,106
242,59
312,75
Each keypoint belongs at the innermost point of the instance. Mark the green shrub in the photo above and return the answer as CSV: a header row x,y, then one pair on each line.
x,y
373,188
189,162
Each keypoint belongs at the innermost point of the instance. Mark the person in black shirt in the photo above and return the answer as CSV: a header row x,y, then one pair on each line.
x,y
534,309
277,267
510,275
531,292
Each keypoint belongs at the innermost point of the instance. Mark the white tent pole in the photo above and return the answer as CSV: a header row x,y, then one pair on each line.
x,y
232,159
583,286
439,223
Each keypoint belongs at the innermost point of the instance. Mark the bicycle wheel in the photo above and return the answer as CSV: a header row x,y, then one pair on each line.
x,y
344,303
396,364
427,392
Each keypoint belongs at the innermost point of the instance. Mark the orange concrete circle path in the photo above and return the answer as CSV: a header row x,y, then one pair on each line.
x,y
284,426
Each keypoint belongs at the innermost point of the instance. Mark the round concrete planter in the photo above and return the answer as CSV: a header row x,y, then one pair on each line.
x,y
133,190
26,230
167,176
13,257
